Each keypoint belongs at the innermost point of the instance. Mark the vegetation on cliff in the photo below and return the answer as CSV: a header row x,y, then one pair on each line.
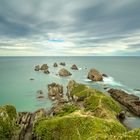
x,y
8,116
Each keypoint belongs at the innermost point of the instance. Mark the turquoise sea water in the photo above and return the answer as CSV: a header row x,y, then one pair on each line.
x,y
16,87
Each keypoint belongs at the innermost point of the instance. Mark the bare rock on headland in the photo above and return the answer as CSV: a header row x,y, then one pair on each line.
x,y
74,67
63,72
55,64
63,63
37,68
95,75
44,67
46,71
130,101
55,91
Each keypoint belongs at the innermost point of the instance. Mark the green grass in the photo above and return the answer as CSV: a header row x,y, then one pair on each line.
x,y
66,109
76,128
8,125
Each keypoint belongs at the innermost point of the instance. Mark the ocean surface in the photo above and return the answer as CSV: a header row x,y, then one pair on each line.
x,y
16,87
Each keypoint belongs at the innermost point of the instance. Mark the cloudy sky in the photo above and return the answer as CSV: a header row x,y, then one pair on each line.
x,y
69,27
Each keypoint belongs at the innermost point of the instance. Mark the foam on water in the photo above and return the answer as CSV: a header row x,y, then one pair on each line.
x,y
110,81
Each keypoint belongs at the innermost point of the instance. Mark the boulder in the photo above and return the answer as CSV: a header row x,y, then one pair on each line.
x,y
64,72
104,75
46,71
55,65
37,68
95,75
39,92
130,101
74,67
63,63
55,91
44,67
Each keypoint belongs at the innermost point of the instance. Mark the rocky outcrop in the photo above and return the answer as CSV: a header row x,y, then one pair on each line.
x,y
104,75
44,67
63,72
55,64
95,75
130,101
63,63
37,68
46,71
74,67
55,91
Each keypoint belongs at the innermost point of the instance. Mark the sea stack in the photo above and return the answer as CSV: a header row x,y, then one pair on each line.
x,y
55,64
63,72
44,67
74,67
55,91
95,75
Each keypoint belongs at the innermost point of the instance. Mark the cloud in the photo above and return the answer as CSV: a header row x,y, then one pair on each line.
x,y
51,27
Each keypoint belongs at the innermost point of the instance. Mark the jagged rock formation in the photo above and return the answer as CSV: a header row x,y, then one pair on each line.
x,y
55,91
95,75
37,68
46,71
63,63
63,72
44,67
130,101
55,64
74,67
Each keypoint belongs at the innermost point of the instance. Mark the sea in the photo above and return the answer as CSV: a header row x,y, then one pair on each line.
x,y
17,89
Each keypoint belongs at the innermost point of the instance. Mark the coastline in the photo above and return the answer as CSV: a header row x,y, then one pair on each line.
x,y
79,100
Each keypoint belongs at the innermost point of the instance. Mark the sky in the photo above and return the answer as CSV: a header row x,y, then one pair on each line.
x,y
69,27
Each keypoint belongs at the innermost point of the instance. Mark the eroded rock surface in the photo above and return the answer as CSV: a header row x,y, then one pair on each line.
x,y
74,67
130,101
95,75
55,91
64,72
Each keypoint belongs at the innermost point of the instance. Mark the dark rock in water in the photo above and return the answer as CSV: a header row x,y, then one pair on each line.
x,y
63,72
40,97
130,101
63,63
55,91
37,68
74,67
95,75
32,79
44,67
55,65
121,116
39,92
104,75
136,89
46,71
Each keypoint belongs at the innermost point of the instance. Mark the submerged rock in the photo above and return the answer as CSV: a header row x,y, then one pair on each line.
x,y
64,72
44,67
104,75
74,67
37,68
55,91
63,63
55,65
130,101
95,75
46,71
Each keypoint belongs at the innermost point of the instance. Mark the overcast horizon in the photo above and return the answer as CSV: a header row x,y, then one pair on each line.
x,y
69,28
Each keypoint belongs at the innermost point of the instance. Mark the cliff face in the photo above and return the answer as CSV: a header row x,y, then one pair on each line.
x,y
89,114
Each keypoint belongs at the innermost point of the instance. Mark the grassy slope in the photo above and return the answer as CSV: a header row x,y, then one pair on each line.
x,y
97,121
